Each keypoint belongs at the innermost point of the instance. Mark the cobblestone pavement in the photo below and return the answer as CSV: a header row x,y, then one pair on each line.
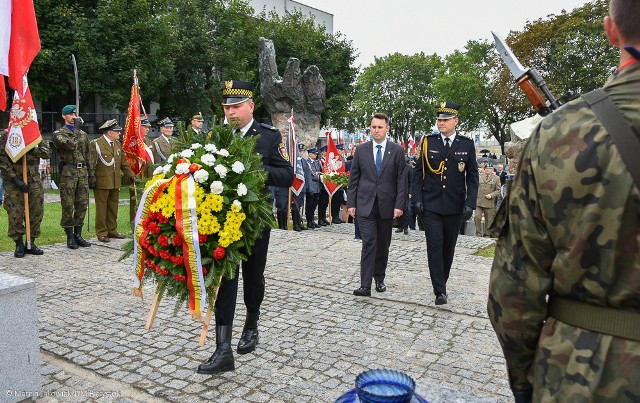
x,y
315,336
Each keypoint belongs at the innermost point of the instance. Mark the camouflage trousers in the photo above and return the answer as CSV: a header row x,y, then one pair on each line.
x,y
14,204
74,196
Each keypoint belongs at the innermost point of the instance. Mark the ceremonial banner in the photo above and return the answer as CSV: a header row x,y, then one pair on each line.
x,y
19,41
24,131
133,143
298,171
332,164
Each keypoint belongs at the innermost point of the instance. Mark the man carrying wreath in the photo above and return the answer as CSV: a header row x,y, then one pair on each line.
x,y
237,101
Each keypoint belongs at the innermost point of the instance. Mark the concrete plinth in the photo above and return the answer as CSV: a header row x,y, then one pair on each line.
x,y
20,377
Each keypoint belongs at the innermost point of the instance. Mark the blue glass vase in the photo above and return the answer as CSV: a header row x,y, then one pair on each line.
x,y
382,386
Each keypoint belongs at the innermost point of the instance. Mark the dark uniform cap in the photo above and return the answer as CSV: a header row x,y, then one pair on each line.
x,y
166,122
69,109
235,92
447,110
312,151
301,147
323,148
197,117
145,122
111,124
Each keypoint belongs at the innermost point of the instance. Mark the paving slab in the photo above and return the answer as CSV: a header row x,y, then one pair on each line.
x,y
315,336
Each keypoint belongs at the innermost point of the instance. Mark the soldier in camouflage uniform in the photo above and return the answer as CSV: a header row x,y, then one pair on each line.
x,y
73,148
14,190
571,234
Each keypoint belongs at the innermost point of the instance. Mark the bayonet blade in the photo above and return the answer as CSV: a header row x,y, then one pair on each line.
x,y
509,58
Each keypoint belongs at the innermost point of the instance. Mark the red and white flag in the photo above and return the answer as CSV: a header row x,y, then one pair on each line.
x,y
19,45
333,163
133,143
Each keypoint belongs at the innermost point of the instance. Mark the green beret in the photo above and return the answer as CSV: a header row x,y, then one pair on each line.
x,y
69,109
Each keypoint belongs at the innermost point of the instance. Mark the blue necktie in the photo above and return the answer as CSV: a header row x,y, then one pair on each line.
x,y
378,160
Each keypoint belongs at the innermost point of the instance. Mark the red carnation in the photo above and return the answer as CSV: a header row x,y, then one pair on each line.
x,y
163,240
177,260
162,219
193,167
177,240
163,272
204,271
165,255
179,278
156,229
152,250
218,253
202,238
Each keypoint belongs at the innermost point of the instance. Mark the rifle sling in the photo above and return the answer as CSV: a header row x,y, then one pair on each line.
x,y
621,133
600,319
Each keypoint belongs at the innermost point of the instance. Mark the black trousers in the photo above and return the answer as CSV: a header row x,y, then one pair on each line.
x,y
323,203
310,205
376,238
336,201
253,284
441,231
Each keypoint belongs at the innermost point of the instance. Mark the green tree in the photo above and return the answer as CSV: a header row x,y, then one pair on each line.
x,y
109,40
402,87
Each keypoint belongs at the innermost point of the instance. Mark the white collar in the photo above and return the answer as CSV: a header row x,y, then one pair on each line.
x,y
451,138
245,129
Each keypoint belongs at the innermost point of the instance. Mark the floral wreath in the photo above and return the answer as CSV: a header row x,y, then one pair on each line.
x,y
199,217
337,178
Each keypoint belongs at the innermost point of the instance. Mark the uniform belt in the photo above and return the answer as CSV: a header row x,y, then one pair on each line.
x,y
75,164
601,319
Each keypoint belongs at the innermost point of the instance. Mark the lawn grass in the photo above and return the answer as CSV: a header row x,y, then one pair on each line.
x,y
52,232
488,251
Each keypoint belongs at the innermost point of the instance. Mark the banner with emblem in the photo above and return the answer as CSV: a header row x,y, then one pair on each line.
x,y
133,143
24,131
332,164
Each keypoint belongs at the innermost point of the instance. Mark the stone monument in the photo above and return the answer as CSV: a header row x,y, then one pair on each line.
x,y
304,93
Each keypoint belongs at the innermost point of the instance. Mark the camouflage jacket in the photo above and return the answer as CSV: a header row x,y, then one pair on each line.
x,y
10,169
572,230
72,147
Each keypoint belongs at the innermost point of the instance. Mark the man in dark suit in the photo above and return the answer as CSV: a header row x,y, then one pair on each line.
x,y
238,108
377,193
444,191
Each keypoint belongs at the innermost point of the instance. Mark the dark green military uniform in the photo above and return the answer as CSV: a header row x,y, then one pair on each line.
x,y
14,197
73,149
571,231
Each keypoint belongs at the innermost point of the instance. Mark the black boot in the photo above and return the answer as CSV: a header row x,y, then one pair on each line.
x,y
295,217
34,250
249,339
77,232
222,358
71,239
19,252
282,220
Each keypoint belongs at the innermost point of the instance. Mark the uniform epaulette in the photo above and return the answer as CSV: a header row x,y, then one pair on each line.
x,y
268,126
463,137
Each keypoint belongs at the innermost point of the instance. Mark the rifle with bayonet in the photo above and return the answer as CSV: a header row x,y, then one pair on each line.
x,y
530,80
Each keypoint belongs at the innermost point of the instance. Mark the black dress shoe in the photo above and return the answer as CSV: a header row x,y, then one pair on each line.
x,y
324,222
406,231
34,250
441,299
380,287
362,292
399,229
